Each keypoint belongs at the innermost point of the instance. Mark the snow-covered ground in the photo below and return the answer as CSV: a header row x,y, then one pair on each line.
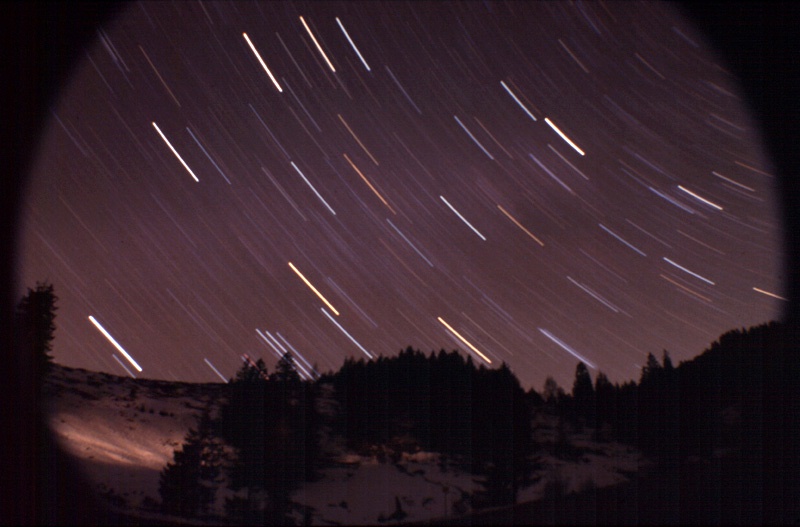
x,y
124,432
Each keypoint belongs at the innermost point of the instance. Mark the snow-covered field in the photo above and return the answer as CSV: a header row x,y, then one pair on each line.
x,y
124,431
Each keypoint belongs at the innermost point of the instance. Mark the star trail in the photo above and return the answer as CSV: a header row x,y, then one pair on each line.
x,y
534,183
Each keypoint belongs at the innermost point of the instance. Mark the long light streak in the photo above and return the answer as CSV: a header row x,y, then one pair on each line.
x,y
597,296
123,365
408,97
551,174
409,242
473,138
368,354
563,136
618,237
565,160
216,370
729,180
350,40
685,270
114,342
684,288
773,295
304,279
298,354
465,341
568,348
263,64
317,44
463,218
673,201
163,82
312,188
518,224
364,148
164,137
302,371
208,155
278,353
699,198
571,54
353,302
517,100
369,184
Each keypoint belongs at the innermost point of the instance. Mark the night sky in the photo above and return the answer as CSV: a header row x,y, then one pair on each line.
x,y
548,182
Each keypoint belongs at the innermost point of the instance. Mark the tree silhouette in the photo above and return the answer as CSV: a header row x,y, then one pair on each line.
x,y
550,391
34,325
606,404
667,362
583,395
286,371
250,373
650,370
188,484
273,428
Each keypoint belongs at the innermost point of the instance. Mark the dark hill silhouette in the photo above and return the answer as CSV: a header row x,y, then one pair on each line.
x,y
722,428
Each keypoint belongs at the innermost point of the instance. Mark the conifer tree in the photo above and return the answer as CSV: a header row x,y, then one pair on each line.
x,y
583,393
286,370
34,325
667,362
650,370
273,428
188,484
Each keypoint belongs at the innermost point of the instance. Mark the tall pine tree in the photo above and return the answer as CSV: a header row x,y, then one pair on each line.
x,y
188,484
34,325
583,394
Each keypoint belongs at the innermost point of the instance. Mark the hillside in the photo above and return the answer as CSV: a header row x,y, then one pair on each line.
x,y
124,431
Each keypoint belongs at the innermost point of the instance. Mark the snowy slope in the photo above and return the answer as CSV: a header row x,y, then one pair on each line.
x,y
124,431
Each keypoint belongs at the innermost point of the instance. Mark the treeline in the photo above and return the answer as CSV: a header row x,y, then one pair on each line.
x,y
262,445
743,394
274,431
479,418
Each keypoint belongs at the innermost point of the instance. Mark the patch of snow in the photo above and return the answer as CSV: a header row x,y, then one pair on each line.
x,y
124,431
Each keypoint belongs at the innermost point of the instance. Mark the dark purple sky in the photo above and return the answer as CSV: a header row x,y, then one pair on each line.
x,y
415,177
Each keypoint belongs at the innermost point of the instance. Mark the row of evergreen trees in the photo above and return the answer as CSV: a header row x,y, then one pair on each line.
x,y
263,444
265,440
479,418
741,393
267,437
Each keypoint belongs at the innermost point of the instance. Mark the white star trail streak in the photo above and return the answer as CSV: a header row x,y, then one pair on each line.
x,y
348,335
508,90
685,270
314,189
263,64
215,370
568,348
473,138
563,136
175,152
107,335
352,44
462,218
